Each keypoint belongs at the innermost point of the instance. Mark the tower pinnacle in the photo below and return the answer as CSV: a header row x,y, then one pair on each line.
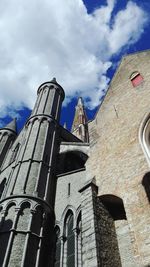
x,y
79,126
53,80
12,126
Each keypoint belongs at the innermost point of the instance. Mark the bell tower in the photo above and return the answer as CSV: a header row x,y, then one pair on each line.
x,y
80,122
27,209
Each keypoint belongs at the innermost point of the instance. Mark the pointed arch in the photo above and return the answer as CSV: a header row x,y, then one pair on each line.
x,y
67,210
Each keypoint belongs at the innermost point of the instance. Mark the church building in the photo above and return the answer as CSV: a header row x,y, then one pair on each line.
x,y
80,198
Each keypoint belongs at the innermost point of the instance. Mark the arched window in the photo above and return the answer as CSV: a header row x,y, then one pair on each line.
x,y
2,186
146,184
70,240
58,246
136,78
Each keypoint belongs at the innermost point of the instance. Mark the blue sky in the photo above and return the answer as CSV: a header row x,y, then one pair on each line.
x,y
78,42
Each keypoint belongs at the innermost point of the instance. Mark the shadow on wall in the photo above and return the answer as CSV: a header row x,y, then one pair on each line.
x,y
115,206
71,161
146,184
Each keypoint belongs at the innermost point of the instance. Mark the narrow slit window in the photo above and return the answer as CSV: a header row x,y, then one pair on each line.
x,y
68,189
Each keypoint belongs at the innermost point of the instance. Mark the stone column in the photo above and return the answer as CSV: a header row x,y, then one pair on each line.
x,y
62,240
75,231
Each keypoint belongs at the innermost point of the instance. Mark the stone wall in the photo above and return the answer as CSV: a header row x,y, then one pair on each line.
x,y
125,240
116,158
107,244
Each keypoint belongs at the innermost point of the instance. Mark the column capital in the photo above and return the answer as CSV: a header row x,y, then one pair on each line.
x,y
62,238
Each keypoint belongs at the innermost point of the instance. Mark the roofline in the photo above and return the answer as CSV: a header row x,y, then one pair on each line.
x,y
122,58
137,52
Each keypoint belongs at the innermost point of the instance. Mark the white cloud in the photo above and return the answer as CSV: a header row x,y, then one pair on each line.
x,y
42,39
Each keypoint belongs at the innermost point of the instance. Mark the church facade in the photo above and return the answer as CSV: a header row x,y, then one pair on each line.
x,y
80,198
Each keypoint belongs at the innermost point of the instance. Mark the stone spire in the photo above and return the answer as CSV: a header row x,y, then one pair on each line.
x,y
12,126
80,122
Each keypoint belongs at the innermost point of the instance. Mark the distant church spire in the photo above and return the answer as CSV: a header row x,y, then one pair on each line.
x,y
80,126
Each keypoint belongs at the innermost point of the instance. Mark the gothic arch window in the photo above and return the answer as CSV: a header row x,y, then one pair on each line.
x,y
136,78
146,184
2,186
70,240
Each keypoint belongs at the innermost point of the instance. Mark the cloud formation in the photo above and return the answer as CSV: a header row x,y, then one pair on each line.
x,y
42,39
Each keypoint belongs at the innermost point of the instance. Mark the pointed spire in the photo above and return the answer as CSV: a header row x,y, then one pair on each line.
x,y
80,114
12,126
79,126
80,102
